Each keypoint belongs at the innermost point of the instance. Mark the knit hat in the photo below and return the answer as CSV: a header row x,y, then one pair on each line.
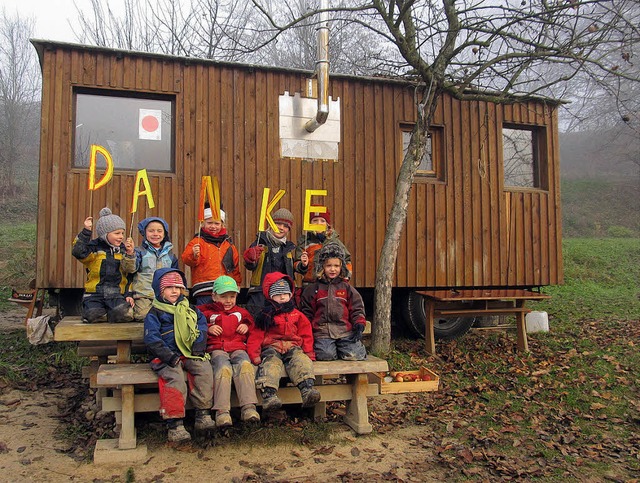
x,y
108,222
208,213
224,284
171,279
279,287
283,216
316,214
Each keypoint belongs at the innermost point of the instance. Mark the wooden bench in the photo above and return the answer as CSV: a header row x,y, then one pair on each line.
x,y
453,303
34,305
125,402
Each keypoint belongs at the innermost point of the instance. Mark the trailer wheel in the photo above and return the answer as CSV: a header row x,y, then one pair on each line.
x,y
444,328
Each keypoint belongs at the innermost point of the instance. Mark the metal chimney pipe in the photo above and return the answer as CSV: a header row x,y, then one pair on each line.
x,y
322,70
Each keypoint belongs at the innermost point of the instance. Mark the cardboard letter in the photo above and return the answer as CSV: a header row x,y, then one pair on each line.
x,y
95,149
212,196
141,175
267,207
316,209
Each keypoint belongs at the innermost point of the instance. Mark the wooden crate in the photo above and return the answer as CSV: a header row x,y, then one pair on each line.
x,y
431,384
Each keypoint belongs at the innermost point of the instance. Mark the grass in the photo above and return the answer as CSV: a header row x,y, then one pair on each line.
x,y
17,258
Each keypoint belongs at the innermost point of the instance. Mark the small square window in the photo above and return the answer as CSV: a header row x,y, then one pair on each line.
x,y
136,130
522,161
431,163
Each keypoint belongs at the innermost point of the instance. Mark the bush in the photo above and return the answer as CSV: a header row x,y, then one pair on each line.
x,y
617,231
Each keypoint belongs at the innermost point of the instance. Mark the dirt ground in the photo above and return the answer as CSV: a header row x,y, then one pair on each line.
x,y
30,451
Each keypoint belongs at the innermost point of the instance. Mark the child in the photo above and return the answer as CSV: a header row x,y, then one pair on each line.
x,y
155,252
210,254
104,289
282,338
229,327
175,335
335,309
271,252
312,241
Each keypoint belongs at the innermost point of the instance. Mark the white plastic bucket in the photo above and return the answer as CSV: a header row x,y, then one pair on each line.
x,y
537,321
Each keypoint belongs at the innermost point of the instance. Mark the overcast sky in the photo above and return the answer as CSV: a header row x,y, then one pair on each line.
x,y
51,16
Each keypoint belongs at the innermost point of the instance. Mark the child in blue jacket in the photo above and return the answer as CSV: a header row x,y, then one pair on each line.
x,y
155,252
176,336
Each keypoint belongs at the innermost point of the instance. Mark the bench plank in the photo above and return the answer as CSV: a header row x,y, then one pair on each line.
x,y
72,329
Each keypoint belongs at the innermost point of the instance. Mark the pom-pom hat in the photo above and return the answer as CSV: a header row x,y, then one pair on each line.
x,y
108,222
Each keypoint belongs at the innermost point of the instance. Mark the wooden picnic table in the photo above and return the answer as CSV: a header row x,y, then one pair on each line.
x,y
480,302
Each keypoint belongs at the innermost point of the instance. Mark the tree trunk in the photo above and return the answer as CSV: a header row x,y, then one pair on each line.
x,y
381,327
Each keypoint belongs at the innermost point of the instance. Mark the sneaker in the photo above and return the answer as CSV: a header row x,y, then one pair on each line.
x,y
203,420
310,396
249,414
178,434
223,419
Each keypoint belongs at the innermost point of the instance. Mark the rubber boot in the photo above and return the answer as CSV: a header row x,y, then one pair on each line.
x,y
249,414
310,395
270,401
203,420
177,433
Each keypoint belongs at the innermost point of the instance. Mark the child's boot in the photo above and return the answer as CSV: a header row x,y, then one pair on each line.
x,y
203,420
310,395
223,419
249,414
270,401
177,433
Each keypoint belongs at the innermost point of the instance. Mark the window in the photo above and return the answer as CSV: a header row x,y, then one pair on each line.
x,y
522,158
431,165
136,130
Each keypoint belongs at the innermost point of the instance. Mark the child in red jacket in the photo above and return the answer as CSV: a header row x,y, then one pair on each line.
x,y
282,338
229,327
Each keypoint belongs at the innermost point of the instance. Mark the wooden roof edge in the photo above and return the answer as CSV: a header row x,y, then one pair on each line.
x,y
42,44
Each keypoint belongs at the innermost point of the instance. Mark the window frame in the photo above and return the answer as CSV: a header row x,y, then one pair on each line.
x,y
538,152
137,95
436,134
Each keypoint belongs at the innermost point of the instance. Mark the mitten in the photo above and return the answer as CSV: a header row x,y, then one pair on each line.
x,y
252,254
358,329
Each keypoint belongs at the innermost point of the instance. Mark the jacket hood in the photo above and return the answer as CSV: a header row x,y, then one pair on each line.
x,y
158,274
273,277
142,227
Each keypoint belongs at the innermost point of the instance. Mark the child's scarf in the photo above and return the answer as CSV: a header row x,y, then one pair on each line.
x,y
185,322
264,320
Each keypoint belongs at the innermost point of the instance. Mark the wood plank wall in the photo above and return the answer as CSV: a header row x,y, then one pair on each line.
x,y
464,231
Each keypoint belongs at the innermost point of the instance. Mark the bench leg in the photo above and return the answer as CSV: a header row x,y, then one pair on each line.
x,y
127,439
521,329
429,336
357,416
320,409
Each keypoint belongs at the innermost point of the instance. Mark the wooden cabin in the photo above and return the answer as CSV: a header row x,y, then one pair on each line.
x,y
484,211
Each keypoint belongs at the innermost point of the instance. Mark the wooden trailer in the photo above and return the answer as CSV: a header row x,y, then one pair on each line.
x,y
484,212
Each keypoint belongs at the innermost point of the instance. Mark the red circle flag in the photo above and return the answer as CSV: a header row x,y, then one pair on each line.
x,y
150,123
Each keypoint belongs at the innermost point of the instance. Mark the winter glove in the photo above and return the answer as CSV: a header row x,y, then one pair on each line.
x,y
358,329
252,254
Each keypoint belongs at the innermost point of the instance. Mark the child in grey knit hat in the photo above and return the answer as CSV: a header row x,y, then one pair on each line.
x,y
107,284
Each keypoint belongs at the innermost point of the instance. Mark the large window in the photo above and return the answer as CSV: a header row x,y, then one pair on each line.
x,y
431,164
137,130
524,162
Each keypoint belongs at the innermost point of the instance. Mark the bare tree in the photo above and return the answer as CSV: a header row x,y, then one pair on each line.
x,y
19,96
474,49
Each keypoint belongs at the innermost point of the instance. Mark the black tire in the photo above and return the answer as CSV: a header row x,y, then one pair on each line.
x,y
445,328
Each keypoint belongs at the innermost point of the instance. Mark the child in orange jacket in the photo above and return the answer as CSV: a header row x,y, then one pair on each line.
x,y
210,254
